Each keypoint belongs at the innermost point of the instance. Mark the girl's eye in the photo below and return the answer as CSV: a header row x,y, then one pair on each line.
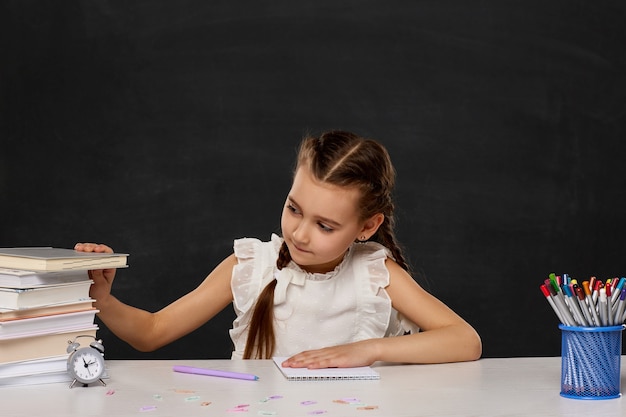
x,y
325,228
292,209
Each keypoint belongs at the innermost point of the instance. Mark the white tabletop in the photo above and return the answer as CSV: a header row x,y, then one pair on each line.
x,y
488,387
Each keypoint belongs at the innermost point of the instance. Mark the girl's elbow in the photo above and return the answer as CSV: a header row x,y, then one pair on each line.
x,y
144,347
146,344
473,345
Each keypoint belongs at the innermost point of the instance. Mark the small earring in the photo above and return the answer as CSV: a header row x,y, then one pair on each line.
x,y
363,239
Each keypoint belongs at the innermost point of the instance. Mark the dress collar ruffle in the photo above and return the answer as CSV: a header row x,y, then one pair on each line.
x,y
294,274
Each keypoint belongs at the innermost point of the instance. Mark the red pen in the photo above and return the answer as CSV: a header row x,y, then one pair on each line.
x,y
583,305
614,283
558,305
592,283
596,290
547,293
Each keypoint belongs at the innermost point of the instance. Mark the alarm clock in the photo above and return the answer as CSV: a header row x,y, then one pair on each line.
x,y
85,364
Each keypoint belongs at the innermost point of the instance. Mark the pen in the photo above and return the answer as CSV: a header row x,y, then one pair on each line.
x,y
592,283
583,305
568,280
214,372
615,283
617,289
596,291
572,302
546,293
590,303
565,312
603,308
620,305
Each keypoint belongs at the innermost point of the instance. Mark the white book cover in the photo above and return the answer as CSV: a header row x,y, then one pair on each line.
x,y
37,379
20,278
37,371
34,367
16,298
51,324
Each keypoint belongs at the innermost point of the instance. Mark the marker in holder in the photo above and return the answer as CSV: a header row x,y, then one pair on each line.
x,y
590,362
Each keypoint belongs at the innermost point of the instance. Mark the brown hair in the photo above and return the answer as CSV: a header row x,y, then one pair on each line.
x,y
343,159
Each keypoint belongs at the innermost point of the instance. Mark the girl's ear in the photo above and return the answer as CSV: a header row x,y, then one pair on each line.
x,y
371,226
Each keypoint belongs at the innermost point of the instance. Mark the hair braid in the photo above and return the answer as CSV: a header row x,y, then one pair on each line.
x,y
261,329
386,237
284,257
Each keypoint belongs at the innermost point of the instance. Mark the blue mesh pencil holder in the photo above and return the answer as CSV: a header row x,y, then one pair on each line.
x,y
590,362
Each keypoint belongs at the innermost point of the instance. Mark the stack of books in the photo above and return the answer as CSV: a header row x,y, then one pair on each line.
x,y
44,304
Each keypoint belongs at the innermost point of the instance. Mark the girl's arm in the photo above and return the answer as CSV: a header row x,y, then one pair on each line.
x,y
444,336
147,331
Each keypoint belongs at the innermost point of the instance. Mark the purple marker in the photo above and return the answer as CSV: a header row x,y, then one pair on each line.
x,y
214,372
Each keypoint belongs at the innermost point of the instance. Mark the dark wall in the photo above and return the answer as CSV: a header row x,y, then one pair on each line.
x,y
168,129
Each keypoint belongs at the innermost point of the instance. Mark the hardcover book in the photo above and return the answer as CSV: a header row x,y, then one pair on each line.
x,y
20,278
57,259
17,298
40,345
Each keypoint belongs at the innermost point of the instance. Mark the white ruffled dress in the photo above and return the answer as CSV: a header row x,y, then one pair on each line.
x,y
314,310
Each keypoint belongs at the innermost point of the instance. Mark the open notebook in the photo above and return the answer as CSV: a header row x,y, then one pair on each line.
x,y
303,374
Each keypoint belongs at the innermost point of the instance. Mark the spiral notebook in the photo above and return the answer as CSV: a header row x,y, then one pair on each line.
x,y
304,374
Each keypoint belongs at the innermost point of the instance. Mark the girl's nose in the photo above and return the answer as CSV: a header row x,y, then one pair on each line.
x,y
300,233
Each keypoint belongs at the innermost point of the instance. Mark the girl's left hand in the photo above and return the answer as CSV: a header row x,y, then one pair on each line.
x,y
343,356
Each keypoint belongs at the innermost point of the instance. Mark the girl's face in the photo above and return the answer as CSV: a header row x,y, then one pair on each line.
x,y
319,222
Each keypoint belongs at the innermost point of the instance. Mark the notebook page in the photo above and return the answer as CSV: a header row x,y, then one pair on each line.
x,y
304,374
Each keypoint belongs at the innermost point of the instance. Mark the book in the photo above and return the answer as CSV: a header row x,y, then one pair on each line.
x,y
47,310
40,345
47,365
304,374
16,298
58,259
52,323
37,371
43,378
37,379
19,278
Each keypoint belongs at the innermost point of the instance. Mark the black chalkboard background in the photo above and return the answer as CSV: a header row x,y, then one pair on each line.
x,y
168,129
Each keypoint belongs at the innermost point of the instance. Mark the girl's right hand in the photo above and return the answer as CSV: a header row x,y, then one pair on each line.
x,y
100,290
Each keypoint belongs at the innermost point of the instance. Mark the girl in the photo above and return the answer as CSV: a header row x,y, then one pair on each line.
x,y
334,291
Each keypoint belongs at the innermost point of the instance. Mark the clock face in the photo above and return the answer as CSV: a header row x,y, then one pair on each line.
x,y
86,365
